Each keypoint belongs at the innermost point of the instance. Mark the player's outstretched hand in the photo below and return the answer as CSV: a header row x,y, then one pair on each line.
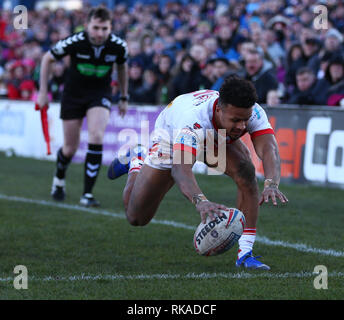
x,y
272,192
123,107
209,208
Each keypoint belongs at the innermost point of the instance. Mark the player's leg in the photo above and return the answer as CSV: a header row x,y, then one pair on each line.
x,y
239,166
71,139
143,193
97,120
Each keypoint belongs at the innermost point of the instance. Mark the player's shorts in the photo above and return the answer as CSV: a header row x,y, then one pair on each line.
x,y
160,153
75,107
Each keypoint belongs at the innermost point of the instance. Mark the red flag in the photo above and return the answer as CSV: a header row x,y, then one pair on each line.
x,y
45,126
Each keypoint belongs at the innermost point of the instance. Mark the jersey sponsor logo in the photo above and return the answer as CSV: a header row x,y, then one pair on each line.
x,y
110,58
88,69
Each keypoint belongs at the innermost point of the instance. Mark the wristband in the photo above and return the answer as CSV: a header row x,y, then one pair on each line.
x,y
124,98
197,198
269,183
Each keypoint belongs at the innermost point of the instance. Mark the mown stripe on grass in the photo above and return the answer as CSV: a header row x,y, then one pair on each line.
x,y
193,276
279,243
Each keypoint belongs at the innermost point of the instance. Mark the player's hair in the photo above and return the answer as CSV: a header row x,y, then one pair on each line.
x,y
101,13
238,92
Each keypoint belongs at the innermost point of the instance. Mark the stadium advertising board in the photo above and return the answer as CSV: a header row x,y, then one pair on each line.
x,y
311,140
311,144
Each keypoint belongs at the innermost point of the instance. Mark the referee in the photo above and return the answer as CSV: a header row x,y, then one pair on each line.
x,y
87,92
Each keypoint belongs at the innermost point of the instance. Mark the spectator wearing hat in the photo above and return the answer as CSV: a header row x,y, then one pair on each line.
x,y
27,90
16,77
332,44
308,90
261,73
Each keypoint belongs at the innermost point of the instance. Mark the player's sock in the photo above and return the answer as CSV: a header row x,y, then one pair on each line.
x,y
246,241
93,163
136,163
62,163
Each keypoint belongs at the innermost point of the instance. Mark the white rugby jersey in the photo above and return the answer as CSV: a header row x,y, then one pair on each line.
x,y
193,114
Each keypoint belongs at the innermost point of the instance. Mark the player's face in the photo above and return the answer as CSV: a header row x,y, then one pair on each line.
x,y
233,119
98,31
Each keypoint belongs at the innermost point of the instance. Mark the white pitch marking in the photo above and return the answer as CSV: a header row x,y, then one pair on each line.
x,y
195,276
279,243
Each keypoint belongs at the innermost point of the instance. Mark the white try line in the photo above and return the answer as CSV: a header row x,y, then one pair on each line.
x,y
279,243
194,276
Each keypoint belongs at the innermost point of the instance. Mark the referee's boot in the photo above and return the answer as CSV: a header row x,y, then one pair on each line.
x,y
87,200
120,166
58,189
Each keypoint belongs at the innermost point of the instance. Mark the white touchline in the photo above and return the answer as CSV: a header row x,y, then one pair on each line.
x,y
195,276
279,243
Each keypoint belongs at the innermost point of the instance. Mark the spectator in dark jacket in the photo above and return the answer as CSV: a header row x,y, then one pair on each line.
x,y
187,79
261,73
333,82
308,90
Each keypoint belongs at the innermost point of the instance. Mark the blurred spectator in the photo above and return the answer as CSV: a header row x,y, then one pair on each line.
x,y
135,90
293,62
333,82
17,76
27,90
188,78
261,73
221,69
56,83
308,90
273,98
150,87
199,53
3,86
163,71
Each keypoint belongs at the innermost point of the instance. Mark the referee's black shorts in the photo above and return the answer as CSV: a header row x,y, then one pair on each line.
x,y
75,106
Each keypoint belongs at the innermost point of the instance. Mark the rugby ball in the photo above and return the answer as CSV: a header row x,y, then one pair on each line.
x,y
219,235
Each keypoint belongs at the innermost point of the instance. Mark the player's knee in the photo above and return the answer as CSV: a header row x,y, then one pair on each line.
x,y
246,174
69,150
96,136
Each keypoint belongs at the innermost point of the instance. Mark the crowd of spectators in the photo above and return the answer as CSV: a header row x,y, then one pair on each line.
x,y
186,46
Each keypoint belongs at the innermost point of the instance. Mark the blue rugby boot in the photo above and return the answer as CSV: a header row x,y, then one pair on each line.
x,y
120,166
248,261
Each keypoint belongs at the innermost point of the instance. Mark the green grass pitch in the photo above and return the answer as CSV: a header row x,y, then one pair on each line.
x,y
72,253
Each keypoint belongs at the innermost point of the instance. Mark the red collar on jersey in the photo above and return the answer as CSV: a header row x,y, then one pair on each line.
x,y
213,119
